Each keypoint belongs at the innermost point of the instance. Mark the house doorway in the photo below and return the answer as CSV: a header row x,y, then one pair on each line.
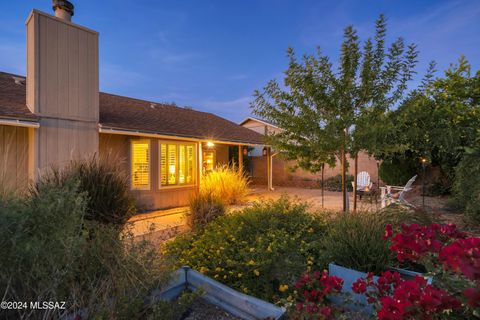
x,y
208,164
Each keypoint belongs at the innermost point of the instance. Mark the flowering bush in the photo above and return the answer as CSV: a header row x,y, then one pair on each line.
x,y
449,256
259,251
311,294
395,298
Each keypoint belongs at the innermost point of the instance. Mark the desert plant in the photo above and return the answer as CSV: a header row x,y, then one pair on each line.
x,y
258,250
51,253
225,183
106,186
335,183
355,241
204,208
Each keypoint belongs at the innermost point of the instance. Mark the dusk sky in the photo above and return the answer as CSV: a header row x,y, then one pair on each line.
x,y
212,55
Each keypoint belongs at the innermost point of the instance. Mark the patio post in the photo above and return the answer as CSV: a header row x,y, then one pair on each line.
x,y
240,159
269,169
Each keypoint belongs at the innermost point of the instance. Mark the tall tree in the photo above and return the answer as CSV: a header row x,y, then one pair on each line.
x,y
320,105
438,122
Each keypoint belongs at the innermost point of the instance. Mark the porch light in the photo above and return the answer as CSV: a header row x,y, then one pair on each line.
x,y
210,144
245,151
264,152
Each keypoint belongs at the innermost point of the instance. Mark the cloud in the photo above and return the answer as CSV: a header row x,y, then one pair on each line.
x,y
235,109
115,77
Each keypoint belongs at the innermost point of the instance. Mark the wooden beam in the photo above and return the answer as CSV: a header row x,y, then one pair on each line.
x,y
240,160
269,169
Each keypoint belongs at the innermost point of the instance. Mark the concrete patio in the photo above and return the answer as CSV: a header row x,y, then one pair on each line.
x,y
161,225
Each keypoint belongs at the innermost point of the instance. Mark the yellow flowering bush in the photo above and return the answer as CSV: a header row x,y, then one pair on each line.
x,y
258,251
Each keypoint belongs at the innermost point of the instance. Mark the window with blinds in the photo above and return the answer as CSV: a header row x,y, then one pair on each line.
x,y
177,163
140,150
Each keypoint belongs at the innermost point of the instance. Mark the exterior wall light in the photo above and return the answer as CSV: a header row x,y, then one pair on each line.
x,y
210,144
245,151
264,151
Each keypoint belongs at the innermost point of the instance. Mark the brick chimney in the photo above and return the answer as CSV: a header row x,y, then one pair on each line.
x,y
62,86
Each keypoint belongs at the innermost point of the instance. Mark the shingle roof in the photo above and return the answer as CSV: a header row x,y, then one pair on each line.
x,y
13,98
123,113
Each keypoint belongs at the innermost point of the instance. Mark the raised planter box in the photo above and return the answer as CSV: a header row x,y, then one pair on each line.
x,y
349,276
238,304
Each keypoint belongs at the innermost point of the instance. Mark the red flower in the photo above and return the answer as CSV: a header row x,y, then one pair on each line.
x,y
388,232
463,256
359,286
473,297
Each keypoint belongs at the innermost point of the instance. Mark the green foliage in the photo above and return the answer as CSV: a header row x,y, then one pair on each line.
x,y
204,208
466,189
335,183
51,253
225,183
173,310
106,187
437,122
255,250
397,171
355,241
323,110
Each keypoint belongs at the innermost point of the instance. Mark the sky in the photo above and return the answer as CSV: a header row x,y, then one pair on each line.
x,y
212,54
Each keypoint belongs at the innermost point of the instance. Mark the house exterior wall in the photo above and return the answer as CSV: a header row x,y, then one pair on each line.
x,y
14,167
62,89
117,148
221,154
282,174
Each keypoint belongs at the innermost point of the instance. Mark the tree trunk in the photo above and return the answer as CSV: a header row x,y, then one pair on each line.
x,y
323,167
355,184
344,187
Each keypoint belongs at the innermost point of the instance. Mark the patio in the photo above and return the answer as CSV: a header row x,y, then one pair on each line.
x,y
161,225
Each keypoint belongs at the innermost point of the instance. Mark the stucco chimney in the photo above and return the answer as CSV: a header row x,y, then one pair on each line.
x,y
63,9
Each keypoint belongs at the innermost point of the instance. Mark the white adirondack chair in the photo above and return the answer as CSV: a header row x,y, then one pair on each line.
x,y
363,181
392,194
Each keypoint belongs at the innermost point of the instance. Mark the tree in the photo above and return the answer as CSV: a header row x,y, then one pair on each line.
x,y
438,122
320,106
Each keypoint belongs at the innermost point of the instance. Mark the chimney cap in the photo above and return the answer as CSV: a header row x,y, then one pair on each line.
x,y
63,5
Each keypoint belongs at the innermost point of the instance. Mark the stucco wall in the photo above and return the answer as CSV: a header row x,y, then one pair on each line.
x,y
283,176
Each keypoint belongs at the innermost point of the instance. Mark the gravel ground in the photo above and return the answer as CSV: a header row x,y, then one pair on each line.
x,y
202,310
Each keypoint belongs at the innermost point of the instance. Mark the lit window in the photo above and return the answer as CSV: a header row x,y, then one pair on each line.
x,y
140,164
177,163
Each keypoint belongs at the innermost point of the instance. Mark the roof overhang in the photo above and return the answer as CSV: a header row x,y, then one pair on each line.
x,y
111,130
19,123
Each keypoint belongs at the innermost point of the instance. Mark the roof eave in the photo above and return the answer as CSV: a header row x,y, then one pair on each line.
x,y
130,132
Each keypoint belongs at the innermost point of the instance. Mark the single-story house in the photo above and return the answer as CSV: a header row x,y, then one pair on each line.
x,y
280,169
56,113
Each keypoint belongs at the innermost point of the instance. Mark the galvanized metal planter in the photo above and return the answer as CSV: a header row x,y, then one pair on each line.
x,y
238,304
349,276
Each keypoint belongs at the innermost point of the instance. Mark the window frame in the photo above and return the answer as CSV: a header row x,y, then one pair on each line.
x,y
178,144
145,188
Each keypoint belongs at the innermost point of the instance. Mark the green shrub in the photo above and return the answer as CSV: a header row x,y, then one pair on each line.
x,y
108,196
255,250
225,183
335,183
355,241
204,208
466,188
396,215
51,253
397,171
